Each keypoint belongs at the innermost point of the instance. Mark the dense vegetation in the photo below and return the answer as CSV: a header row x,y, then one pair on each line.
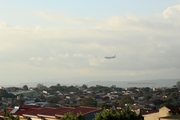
x,y
125,114
89,96
71,116
92,95
8,116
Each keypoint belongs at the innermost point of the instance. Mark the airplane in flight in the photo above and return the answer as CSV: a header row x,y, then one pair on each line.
x,y
110,57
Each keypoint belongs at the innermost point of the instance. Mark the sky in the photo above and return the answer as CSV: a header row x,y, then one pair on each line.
x,y
66,41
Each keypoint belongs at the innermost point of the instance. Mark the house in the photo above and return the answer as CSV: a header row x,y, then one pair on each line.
x,y
49,113
150,114
89,112
164,113
141,98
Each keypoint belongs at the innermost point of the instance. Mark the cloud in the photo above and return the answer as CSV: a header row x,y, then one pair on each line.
x,y
65,18
78,55
4,45
172,12
5,24
144,45
51,58
36,58
63,55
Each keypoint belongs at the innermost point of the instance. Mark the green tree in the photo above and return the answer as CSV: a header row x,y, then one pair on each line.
x,y
20,99
88,102
8,116
158,102
174,95
71,116
41,98
58,85
106,115
52,99
125,114
68,116
147,97
84,86
125,99
105,98
41,86
97,96
80,116
146,89
25,87
3,93
103,105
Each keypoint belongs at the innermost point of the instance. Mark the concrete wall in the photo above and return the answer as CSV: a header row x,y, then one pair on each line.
x,y
152,116
163,112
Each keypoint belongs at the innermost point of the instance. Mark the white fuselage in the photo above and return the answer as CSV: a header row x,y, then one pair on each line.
x,y
110,57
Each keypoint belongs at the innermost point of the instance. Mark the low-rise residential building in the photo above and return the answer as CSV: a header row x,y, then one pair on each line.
x,y
164,113
48,113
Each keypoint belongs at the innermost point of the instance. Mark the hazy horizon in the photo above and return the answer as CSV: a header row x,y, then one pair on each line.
x,y
68,40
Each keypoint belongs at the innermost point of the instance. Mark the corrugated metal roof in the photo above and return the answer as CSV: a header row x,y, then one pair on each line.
x,y
82,110
55,111
38,111
30,111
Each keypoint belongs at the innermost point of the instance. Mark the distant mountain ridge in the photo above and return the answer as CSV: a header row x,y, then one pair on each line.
x,y
123,84
137,83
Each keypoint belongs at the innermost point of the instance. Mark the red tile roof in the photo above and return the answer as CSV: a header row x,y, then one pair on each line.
x,y
22,111
55,111
50,112
37,111
82,110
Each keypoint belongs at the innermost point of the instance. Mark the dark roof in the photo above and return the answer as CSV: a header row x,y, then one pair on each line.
x,y
145,112
30,106
172,107
177,117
